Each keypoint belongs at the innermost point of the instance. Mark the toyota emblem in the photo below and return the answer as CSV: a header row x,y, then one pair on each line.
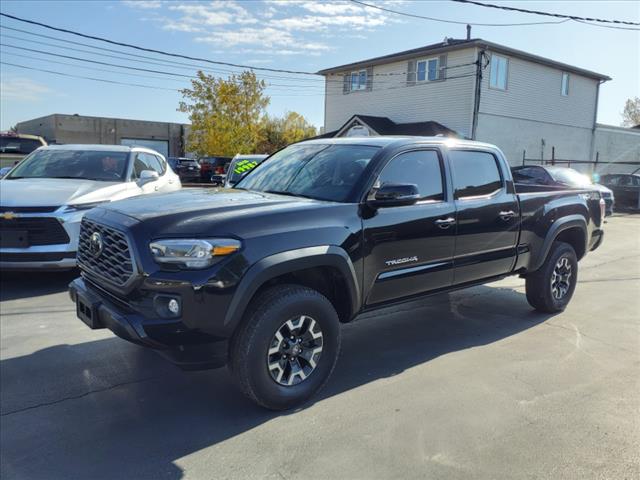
x,y
95,244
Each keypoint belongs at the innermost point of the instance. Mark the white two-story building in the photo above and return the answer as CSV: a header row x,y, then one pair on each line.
x,y
479,89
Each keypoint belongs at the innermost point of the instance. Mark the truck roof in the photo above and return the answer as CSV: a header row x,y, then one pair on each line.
x,y
386,140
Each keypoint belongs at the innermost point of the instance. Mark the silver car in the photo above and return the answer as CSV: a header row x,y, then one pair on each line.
x,y
44,197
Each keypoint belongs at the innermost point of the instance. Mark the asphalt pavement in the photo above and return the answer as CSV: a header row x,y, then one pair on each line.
x,y
473,384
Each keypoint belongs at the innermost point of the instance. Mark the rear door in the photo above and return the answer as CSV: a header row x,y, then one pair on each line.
x,y
487,215
409,249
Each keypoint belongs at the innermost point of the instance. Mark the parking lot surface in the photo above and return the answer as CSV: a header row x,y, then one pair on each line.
x,y
472,384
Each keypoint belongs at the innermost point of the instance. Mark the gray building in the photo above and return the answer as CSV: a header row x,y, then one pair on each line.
x,y
482,90
164,137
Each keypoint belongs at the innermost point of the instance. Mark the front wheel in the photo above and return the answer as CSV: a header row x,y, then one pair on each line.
x,y
551,287
286,348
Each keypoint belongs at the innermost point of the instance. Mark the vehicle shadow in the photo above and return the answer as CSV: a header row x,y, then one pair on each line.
x,y
109,409
16,285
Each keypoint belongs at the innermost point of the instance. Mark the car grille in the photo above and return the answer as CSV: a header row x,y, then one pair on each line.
x,y
40,230
114,263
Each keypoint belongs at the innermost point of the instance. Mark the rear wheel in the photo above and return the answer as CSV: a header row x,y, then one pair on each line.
x,y
287,346
551,287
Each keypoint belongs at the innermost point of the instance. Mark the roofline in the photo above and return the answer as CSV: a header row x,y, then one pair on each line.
x,y
473,43
100,118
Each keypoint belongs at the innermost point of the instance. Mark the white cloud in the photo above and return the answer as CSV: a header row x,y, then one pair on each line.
x,y
25,89
283,27
144,4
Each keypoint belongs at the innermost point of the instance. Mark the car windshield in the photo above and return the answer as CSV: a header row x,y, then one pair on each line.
x,y
81,164
323,172
570,177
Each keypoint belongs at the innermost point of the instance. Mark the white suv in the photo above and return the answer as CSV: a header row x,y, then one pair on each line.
x,y
44,197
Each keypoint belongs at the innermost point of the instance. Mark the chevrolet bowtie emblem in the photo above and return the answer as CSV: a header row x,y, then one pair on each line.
x,y
9,215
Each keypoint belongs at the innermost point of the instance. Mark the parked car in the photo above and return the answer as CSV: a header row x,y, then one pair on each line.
x,y
626,187
188,169
214,169
263,275
15,146
561,177
240,166
44,197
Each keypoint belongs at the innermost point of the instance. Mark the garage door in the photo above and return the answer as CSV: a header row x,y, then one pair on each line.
x,y
160,146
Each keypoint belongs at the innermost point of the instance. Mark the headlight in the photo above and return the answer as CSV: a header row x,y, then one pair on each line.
x,y
85,206
193,252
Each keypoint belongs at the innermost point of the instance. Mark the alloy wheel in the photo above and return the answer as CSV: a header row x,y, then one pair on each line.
x,y
561,278
295,350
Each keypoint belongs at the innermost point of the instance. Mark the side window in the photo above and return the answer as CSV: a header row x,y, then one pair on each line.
x,y
421,167
145,161
159,165
474,173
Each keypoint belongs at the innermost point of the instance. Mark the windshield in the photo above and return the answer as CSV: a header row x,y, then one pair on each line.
x,y
89,165
570,177
10,144
323,172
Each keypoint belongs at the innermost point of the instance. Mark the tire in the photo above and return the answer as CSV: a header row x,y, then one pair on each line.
x,y
265,364
550,288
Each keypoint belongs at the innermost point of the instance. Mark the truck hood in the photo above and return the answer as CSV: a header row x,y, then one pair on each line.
x,y
39,192
187,205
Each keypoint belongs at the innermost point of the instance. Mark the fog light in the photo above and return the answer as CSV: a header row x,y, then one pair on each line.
x,y
173,306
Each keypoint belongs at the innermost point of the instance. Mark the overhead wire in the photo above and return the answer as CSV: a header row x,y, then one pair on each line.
x,y
548,14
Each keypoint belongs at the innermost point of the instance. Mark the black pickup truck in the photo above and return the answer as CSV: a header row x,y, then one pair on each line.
x,y
261,276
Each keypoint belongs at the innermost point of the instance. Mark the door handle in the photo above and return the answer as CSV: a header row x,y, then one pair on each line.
x,y
445,223
508,215
156,188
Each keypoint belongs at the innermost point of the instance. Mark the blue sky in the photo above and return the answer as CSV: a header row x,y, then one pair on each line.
x,y
295,35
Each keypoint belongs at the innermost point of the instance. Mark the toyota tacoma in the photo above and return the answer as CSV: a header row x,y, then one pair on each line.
x,y
260,277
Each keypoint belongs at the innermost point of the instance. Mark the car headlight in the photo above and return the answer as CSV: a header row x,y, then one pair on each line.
x,y
193,253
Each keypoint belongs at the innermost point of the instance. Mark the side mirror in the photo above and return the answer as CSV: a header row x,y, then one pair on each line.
x,y
395,195
147,176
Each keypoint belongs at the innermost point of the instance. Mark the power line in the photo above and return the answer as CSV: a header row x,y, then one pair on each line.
x,y
161,72
152,50
170,63
157,61
179,90
89,78
423,17
548,14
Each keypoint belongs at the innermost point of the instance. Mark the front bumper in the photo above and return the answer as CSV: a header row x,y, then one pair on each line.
x,y
187,348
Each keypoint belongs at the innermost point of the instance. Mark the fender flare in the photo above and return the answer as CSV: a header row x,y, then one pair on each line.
x,y
287,262
565,223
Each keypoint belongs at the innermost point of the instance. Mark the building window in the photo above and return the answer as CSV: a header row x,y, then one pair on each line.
x,y
359,80
499,68
564,88
427,70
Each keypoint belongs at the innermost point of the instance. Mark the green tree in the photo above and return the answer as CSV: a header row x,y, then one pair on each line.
x,y
226,115
631,112
280,132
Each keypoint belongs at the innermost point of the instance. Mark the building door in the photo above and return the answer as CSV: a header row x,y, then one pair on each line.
x,y
160,146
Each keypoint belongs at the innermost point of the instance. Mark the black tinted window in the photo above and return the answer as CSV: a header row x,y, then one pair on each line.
x,y
474,173
421,168
11,144
535,175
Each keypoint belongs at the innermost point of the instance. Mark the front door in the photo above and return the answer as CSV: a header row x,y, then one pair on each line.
x,y
487,217
409,249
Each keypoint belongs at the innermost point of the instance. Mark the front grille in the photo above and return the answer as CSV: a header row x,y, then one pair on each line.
x,y
40,230
114,263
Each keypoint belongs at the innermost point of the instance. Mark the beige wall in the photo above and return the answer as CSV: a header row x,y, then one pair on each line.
x,y
449,102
